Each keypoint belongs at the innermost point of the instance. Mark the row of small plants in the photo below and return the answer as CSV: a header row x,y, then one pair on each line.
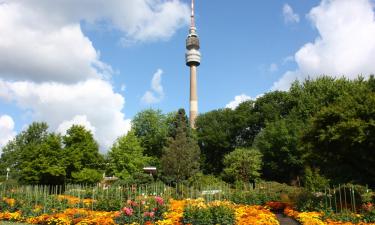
x,y
111,199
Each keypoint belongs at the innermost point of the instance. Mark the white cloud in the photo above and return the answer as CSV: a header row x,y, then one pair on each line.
x,y
156,94
289,15
139,20
43,40
345,46
33,49
7,132
77,120
237,101
51,70
91,103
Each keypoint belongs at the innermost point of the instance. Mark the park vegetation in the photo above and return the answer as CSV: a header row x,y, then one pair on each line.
x,y
318,133
308,153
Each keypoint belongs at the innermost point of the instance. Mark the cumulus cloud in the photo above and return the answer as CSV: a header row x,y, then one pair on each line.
x,y
345,45
156,94
32,49
289,15
77,120
43,41
7,132
91,103
51,70
237,101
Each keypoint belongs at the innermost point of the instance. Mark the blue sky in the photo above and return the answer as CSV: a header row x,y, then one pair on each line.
x,y
239,42
97,63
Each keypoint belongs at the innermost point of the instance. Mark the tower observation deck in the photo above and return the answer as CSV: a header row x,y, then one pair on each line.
x,y
193,60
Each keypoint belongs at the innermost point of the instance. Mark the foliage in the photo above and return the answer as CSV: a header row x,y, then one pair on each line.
x,y
81,151
309,201
341,137
283,159
197,215
313,181
215,138
126,157
87,176
151,128
202,180
181,157
243,164
35,156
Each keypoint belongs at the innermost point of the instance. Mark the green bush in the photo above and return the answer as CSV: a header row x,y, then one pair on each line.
x,y
344,216
223,215
308,201
202,180
218,214
197,216
369,217
313,181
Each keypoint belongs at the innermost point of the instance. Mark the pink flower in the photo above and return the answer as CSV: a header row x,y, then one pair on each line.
x,y
128,211
149,214
159,200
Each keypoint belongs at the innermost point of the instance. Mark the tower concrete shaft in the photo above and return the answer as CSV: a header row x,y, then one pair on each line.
x,y
193,60
193,96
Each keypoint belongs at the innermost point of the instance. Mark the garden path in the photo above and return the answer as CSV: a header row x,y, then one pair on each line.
x,y
284,220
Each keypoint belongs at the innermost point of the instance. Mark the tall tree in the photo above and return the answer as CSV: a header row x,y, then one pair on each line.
x,y
126,157
35,156
216,138
341,137
150,127
181,157
283,158
82,151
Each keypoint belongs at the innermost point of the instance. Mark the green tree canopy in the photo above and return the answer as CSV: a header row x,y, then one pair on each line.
x,y
243,164
341,137
126,157
35,156
283,159
81,151
181,156
216,138
151,128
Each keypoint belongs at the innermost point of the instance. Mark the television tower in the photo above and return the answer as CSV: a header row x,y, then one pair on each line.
x,y
193,60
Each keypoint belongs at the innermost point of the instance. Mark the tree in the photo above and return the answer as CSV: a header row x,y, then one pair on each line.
x,y
243,164
35,156
126,157
81,150
150,127
87,176
341,137
283,158
216,137
181,156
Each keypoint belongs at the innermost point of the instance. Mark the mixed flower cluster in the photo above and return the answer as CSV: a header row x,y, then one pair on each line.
x,y
316,218
153,210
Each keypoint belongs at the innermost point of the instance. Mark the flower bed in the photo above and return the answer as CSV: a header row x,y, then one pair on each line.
x,y
317,218
153,210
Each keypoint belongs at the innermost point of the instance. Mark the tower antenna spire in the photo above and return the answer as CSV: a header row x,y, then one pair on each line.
x,y
192,14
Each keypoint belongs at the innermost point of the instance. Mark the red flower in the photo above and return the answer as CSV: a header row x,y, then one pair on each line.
x,y
159,200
